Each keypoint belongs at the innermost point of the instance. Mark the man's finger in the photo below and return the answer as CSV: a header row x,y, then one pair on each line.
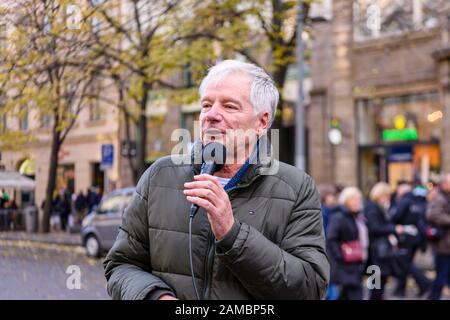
x,y
203,193
202,185
207,177
205,204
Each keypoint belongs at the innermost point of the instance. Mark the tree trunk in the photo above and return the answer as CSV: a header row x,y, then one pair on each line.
x,y
141,144
285,154
122,107
51,182
279,76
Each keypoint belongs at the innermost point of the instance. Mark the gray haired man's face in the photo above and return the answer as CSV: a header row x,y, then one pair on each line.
x,y
227,112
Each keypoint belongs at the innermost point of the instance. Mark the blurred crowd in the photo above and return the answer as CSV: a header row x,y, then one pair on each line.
x,y
8,212
386,230
69,209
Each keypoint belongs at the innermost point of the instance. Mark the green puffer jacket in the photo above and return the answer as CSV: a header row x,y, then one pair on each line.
x,y
277,250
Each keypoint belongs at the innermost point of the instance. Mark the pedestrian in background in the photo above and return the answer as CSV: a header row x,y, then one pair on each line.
x,y
382,235
410,212
438,214
64,208
4,198
328,200
81,205
347,243
94,196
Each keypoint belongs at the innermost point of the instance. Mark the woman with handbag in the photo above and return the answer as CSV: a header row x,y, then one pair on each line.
x,y
383,236
347,242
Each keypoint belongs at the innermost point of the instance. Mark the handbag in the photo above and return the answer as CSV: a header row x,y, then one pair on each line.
x,y
352,251
434,233
391,256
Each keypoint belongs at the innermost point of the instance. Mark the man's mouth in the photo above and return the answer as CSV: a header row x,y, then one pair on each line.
x,y
212,134
214,131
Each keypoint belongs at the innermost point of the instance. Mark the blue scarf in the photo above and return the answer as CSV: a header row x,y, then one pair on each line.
x,y
238,176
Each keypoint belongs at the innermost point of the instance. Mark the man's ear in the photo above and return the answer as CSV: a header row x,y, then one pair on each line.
x,y
263,122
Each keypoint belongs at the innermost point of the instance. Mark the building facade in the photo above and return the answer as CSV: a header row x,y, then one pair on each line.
x,y
380,77
79,159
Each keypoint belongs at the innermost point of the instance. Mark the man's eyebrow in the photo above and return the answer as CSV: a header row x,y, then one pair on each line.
x,y
225,100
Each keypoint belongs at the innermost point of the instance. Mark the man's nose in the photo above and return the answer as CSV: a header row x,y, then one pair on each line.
x,y
214,113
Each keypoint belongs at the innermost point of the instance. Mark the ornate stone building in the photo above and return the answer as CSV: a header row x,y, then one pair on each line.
x,y
381,77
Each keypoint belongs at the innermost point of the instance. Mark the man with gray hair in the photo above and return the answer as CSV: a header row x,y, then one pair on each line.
x,y
256,235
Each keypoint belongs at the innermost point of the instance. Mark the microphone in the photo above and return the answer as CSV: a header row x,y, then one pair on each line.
x,y
213,159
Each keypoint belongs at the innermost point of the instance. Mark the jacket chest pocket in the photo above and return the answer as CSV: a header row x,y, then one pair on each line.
x,y
264,214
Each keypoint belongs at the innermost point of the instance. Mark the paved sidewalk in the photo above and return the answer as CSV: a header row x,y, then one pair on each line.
x,y
62,238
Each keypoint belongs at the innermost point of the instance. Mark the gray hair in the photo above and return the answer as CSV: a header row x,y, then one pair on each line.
x,y
349,193
264,94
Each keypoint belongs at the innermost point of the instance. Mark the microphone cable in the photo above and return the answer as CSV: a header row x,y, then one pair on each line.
x,y
191,217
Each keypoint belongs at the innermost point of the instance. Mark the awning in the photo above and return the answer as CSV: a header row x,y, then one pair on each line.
x,y
10,179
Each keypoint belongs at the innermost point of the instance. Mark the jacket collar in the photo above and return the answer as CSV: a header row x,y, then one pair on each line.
x,y
254,169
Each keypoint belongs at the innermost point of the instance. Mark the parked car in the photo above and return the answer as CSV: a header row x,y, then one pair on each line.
x,y
101,226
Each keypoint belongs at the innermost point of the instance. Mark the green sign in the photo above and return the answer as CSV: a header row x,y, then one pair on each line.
x,y
406,134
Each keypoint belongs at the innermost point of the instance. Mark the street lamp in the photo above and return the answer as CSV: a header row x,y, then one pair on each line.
x,y
300,112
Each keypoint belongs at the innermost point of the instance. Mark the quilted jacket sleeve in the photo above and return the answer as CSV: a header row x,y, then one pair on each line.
x,y
127,265
298,268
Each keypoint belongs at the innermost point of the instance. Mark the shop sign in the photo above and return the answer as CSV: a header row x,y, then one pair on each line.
x,y
400,154
107,156
406,134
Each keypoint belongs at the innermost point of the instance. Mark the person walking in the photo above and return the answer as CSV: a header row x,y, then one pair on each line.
x,y
410,212
347,243
81,206
438,214
64,208
383,236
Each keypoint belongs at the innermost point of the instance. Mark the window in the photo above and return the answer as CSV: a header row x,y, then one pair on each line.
x,y
71,96
3,116
23,120
187,75
321,10
378,18
3,37
416,117
95,110
189,120
45,120
3,124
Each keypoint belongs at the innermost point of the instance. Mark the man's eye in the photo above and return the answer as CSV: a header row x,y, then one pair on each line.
x,y
230,106
206,105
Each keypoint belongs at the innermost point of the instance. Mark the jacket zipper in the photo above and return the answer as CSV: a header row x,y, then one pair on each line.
x,y
209,264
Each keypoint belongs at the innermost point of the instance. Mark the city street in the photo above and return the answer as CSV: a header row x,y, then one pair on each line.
x,y
31,270
37,270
